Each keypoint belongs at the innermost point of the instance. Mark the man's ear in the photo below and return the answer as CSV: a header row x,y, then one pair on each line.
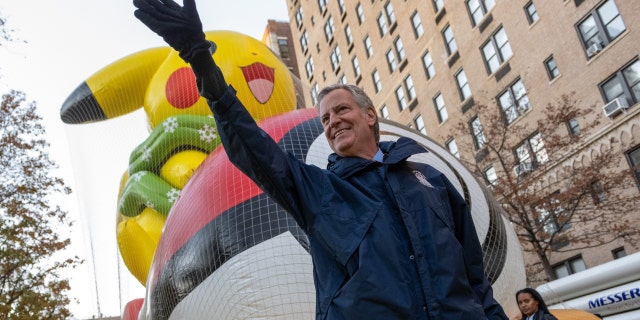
x,y
371,116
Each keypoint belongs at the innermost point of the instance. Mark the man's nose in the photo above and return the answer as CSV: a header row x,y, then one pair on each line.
x,y
333,120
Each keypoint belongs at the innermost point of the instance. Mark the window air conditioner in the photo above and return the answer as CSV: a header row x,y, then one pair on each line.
x,y
593,49
615,106
522,168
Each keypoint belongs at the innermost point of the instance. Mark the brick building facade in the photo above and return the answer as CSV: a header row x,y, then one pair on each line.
x,y
427,63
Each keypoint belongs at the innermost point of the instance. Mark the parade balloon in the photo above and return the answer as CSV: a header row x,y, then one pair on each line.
x,y
230,250
183,131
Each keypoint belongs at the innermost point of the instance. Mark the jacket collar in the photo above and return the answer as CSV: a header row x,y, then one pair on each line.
x,y
395,151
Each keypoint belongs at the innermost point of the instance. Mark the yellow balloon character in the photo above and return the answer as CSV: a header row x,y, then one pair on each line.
x,y
183,129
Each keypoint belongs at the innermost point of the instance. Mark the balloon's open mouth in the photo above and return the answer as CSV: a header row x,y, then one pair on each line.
x,y
260,79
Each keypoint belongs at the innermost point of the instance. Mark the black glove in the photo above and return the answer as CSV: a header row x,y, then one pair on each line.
x,y
180,27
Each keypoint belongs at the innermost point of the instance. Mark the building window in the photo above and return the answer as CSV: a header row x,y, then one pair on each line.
x,y
548,212
531,152
449,40
343,79
299,17
309,67
384,112
429,68
400,49
304,41
600,27
368,46
329,29
438,5
463,85
623,84
391,17
619,253
411,90
491,176
598,193
418,30
360,13
552,67
633,157
569,266
401,98
377,84
406,94
478,9
356,66
348,35
514,101
382,25
478,133
419,122
342,7
283,46
323,5
573,127
453,147
441,108
314,94
391,61
497,50
532,13
336,58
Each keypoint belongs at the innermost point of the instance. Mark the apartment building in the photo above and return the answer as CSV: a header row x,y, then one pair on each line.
x,y
277,36
427,63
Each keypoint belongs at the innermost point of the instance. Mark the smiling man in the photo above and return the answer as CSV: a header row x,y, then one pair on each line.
x,y
348,127
389,238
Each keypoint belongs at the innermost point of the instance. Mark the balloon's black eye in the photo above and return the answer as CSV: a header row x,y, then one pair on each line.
x,y
213,47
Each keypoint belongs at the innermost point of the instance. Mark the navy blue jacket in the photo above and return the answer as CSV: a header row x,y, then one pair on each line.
x,y
390,240
540,315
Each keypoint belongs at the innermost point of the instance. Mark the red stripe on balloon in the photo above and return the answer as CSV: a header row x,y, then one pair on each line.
x,y
216,186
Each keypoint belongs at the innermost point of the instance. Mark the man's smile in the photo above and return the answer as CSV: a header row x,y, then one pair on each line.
x,y
339,132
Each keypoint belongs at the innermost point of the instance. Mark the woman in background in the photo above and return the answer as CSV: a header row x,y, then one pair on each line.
x,y
532,305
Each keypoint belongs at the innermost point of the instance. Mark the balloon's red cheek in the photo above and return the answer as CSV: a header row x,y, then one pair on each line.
x,y
181,90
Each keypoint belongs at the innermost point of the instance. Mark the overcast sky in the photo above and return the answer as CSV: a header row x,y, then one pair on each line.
x,y
66,42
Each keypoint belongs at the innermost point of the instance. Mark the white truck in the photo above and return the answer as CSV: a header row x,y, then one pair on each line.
x,y
611,290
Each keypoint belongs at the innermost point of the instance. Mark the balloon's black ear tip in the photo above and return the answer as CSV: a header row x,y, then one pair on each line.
x,y
81,107
212,47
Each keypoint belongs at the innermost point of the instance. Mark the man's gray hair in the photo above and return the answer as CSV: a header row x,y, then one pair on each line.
x,y
361,98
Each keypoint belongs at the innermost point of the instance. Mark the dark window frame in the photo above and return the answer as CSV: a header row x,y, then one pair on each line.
x,y
627,89
439,111
447,43
499,54
482,7
635,167
476,135
601,37
532,17
550,70
567,263
426,67
418,30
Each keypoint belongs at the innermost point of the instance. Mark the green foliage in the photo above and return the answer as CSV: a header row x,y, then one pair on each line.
x,y
30,283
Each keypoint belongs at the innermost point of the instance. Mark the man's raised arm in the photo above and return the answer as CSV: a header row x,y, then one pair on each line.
x,y
180,27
